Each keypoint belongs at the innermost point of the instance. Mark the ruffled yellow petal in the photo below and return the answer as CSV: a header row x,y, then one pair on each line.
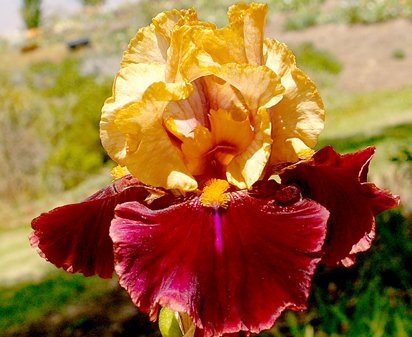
x,y
227,130
297,119
157,162
224,45
135,132
252,18
245,169
278,57
183,49
128,88
131,82
183,116
223,95
151,43
258,85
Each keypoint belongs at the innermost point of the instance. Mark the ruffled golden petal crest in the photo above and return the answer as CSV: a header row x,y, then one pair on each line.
x,y
151,43
142,141
131,82
298,118
252,18
184,46
258,85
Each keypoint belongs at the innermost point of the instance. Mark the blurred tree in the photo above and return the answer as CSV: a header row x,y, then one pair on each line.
x,y
31,13
92,2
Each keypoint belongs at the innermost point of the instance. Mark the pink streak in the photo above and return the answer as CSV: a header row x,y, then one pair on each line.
x,y
218,231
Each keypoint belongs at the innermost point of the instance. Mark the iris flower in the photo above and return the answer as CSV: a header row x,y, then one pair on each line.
x,y
221,208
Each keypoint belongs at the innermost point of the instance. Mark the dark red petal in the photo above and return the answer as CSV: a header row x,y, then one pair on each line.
x,y
230,270
76,237
338,182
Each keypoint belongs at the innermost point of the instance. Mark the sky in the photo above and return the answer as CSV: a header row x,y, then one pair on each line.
x,y
11,22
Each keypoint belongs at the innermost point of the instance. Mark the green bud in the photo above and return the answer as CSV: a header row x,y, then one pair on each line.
x,y
169,324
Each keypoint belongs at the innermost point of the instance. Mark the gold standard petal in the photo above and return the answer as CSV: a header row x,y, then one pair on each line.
x,y
183,116
181,56
165,22
119,127
128,88
113,139
223,95
147,46
157,162
151,155
181,48
224,45
252,16
291,151
299,114
152,42
123,130
230,132
278,57
246,168
143,114
131,82
259,86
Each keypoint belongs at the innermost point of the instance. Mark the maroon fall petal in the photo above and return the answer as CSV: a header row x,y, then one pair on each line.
x,y
76,237
230,269
338,182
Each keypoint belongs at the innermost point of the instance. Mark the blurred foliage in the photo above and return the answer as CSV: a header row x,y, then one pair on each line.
x,y
305,13
208,10
300,14
25,125
49,130
372,11
294,5
31,13
301,19
92,2
403,156
310,57
75,102
398,54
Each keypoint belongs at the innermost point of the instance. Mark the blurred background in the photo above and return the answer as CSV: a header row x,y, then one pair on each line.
x,y
57,62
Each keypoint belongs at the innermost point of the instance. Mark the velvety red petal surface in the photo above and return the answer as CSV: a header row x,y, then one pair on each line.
x,y
230,270
338,182
76,237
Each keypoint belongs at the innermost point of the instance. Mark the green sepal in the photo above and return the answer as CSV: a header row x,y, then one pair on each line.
x,y
168,323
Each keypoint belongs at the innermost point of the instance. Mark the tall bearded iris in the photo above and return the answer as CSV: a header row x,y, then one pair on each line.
x,y
200,121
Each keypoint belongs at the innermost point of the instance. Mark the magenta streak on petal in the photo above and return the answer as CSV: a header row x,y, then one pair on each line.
x,y
218,230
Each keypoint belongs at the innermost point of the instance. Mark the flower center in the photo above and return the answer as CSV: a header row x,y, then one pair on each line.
x,y
209,150
214,194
